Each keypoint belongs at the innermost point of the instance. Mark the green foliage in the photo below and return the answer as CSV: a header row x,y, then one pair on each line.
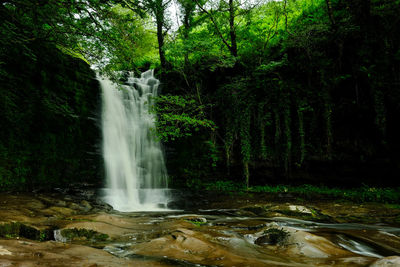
x,y
132,44
180,117
17,229
214,155
304,70
223,186
269,88
361,194
197,221
309,192
47,120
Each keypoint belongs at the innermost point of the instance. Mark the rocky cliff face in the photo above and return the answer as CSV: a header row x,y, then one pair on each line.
x,y
48,115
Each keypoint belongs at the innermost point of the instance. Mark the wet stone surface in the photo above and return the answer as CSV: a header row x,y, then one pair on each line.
x,y
63,229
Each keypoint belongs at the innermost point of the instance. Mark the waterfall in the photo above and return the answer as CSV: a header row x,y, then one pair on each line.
x,y
136,176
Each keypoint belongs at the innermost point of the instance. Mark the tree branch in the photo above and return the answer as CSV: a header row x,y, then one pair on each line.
x,y
215,24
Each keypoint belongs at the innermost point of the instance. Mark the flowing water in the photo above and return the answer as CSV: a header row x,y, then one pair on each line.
x,y
136,177
224,238
227,231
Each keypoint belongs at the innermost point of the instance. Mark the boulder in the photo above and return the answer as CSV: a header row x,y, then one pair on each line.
x,y
313,246
391,261
36,254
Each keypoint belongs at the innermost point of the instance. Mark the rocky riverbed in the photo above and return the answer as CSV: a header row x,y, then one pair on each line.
x,y
78,229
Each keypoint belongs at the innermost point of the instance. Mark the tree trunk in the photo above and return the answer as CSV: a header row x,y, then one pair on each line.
x,y
158,10
186,29
233,47
160,39
330,12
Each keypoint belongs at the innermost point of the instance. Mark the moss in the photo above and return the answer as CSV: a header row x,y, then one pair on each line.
x,y
83,234
45,117
197,221
277,235
392,206
17,229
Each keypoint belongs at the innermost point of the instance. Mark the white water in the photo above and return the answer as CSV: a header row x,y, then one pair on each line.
x,y
136,177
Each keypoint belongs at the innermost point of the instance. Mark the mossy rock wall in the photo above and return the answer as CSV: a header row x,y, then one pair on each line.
x,y
16,229
49,108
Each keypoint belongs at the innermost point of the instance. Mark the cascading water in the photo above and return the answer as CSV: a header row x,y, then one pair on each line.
x,y
136,176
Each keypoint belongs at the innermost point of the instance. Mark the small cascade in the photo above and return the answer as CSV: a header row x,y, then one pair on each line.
x,y
58,237
136,176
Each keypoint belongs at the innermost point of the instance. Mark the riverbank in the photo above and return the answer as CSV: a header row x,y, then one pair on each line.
x,y
360,194
257,229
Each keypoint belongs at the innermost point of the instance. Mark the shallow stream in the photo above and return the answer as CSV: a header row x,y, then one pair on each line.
x,y
224,231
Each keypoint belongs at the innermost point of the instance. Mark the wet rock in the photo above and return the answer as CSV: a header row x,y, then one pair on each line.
x,y
74,206
386,242
37,254
256,209
85,206
299,212
388,261
272,236
303,243
4,251
300,209
53,201
227,237
59,211
194,247
83,235
244,213
249,225
82,192
174,205
354,261
10,202
100,206
347,212
114,226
